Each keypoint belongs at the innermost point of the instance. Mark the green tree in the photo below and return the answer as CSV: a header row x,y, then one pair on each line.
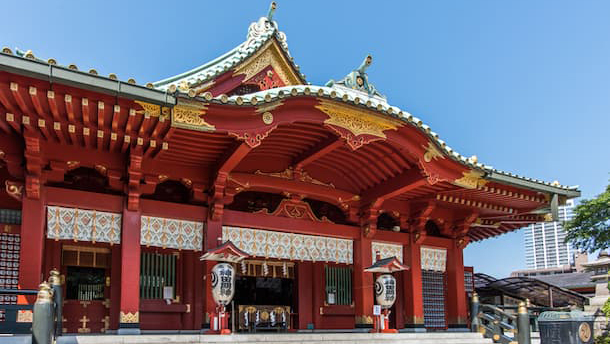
x,y
589,230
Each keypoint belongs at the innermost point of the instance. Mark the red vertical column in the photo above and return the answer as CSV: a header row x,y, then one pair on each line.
x,y
305,290
129,317
456,293
187,289
363,283
213,236
412,282
115,286
32,245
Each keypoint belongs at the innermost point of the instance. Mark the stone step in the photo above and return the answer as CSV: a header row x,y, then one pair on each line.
x,y
309,338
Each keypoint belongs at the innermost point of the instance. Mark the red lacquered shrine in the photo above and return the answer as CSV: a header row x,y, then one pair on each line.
x,y
123,187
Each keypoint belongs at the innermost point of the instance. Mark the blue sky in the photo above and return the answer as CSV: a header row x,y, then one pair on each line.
x,y
524,85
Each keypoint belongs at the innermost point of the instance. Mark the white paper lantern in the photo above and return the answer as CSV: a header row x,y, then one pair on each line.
x,y
385,290
223,283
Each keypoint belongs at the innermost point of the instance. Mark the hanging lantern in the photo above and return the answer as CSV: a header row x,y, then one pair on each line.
x,y
223,283
385,290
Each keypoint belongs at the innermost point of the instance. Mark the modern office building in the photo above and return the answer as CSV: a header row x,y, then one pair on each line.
x,y
544,242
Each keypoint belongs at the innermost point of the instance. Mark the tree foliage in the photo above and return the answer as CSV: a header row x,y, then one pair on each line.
x,y
589,230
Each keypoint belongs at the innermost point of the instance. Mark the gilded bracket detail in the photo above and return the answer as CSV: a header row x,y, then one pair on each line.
x,y
189,115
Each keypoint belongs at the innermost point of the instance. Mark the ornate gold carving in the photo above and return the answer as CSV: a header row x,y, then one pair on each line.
x,y
72,164
269,107
290,174
548,217
267,118
14,189
364,319
355,120
471,180
129,318
269,55
189,115
151,110
432,153
84,329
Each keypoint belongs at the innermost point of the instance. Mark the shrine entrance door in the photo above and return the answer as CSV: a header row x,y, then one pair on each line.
x,y
265,294
86,288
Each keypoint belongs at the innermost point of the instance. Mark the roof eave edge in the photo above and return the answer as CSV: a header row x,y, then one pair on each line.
x,y
96,83
502,178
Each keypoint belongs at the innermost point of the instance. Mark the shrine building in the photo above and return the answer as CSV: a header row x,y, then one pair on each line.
x,y
123,187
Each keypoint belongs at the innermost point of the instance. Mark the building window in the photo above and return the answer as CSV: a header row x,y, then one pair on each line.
x,y
338,285
157,271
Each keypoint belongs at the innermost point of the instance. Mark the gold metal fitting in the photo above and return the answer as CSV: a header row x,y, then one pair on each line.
x,y
54,278
522,308
45,294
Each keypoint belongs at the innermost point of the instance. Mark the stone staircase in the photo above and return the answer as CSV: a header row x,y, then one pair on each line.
x,y
300,338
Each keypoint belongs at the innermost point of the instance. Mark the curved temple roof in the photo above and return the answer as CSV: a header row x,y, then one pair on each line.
x,y
201,83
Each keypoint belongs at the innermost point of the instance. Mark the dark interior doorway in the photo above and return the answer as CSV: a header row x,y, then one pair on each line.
x,y
263,291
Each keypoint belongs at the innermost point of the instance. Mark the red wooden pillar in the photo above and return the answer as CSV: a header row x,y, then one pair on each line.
x,y
305,290
213,237
318,295
129,319
187,289
363,283
32,245
412,287
456,293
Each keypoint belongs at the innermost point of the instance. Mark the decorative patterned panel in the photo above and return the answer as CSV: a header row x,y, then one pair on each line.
x,y
433,259
83,225
10,246
10,216
270,244
171,233
386,250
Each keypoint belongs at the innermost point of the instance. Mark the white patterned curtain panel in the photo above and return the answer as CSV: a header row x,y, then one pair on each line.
x,y
386,250
270,244
433,259
171,233
83,225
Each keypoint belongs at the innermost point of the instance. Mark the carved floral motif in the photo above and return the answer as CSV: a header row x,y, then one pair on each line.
x,y
14,189
471,180
432,153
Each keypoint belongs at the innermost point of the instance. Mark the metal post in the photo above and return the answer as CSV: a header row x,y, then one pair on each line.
x,y
42,322
55,282
523,325
474,313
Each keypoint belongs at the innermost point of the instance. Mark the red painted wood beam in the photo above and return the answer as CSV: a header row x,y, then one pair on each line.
x,y
232,159
130,122
257,182
5,99
101,114
69,108
19,98
53,105
86,112
116,115
407,181
317,152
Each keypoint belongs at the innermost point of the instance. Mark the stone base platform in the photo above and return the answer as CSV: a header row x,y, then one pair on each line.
x,y
297,338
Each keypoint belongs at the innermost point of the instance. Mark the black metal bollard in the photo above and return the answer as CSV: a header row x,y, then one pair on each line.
x,y
55,282
42,322
523,325
474,313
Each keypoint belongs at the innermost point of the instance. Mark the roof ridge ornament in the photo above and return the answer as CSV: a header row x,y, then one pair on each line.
x,y
358,80
265,26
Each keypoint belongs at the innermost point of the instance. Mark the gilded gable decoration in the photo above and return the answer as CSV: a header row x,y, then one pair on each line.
x,y
83,225
269,55
432,153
